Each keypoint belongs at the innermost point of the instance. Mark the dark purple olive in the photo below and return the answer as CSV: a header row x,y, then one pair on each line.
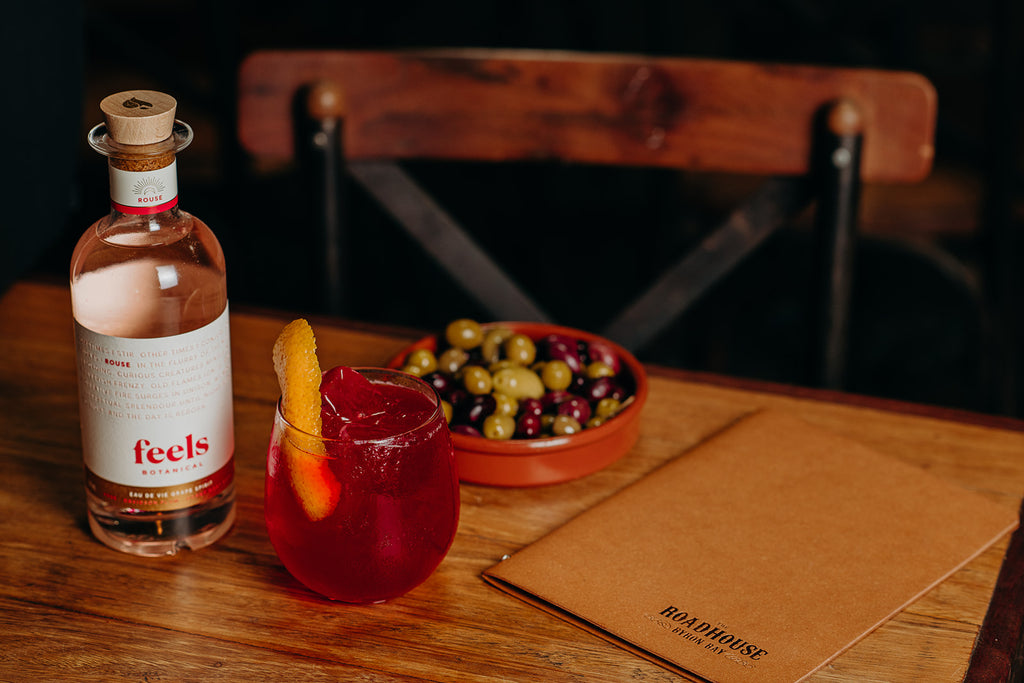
x,y
579,384
466,430
560,347
531,406
441,382
602,387
476,357
575,407
457,396
601,351
474,409
551,399
556,338
583,352
528,426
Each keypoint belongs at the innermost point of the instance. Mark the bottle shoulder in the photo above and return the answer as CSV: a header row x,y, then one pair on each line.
x,y
152,230
171,236
134,288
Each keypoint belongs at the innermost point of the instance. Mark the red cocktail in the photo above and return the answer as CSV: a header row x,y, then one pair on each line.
x,y
366,511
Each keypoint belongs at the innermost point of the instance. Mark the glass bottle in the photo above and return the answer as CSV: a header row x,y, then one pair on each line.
x,y
149,299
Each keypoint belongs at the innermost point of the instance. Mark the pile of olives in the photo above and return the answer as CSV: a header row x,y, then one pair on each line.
x,y
500,384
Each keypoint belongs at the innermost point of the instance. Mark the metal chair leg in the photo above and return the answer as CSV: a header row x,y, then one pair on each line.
x,y
838,173
324,142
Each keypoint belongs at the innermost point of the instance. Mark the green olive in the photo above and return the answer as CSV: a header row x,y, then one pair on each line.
x,y
500,427
505,404
518,382
464,333
490,347
413,370
607,407
599,369
520,349
564,425
476,380
595,422
424,359
501,365
452,359
557,375
447,408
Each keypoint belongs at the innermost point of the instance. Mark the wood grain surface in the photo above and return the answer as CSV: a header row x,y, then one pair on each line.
x,y
500,105
70,609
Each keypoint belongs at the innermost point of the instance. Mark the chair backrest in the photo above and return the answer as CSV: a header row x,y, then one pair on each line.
x,y
820,130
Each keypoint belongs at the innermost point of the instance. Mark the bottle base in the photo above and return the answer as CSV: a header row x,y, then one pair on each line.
x,y
159,534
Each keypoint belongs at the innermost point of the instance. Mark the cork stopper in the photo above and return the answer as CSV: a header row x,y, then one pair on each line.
x,y
139,117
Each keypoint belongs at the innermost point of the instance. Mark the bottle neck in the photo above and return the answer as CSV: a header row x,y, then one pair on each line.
x,y
139,189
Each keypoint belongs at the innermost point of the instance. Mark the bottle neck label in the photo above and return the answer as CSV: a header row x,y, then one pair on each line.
x,y
144,192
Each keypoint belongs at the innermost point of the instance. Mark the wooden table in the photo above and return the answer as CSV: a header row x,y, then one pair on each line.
x,y
72,609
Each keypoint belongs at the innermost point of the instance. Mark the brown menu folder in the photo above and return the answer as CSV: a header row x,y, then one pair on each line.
x,y
757,556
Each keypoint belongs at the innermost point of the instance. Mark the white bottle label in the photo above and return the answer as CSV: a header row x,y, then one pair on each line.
x,y
157,416
144,192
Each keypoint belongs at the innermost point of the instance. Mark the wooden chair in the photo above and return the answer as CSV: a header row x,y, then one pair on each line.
x,y
814,134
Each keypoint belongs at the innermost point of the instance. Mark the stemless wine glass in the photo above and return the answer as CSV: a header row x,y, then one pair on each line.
x,y
365,518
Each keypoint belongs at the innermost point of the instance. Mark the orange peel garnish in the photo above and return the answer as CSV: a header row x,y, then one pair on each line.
x,y
298,373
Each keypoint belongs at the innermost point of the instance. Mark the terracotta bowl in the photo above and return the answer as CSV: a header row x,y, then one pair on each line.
x,y
549,460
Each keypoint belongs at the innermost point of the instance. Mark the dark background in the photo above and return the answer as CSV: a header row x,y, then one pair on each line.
x,y
937,296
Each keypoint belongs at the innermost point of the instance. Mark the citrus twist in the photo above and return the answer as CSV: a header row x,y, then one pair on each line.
x,y
298,373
